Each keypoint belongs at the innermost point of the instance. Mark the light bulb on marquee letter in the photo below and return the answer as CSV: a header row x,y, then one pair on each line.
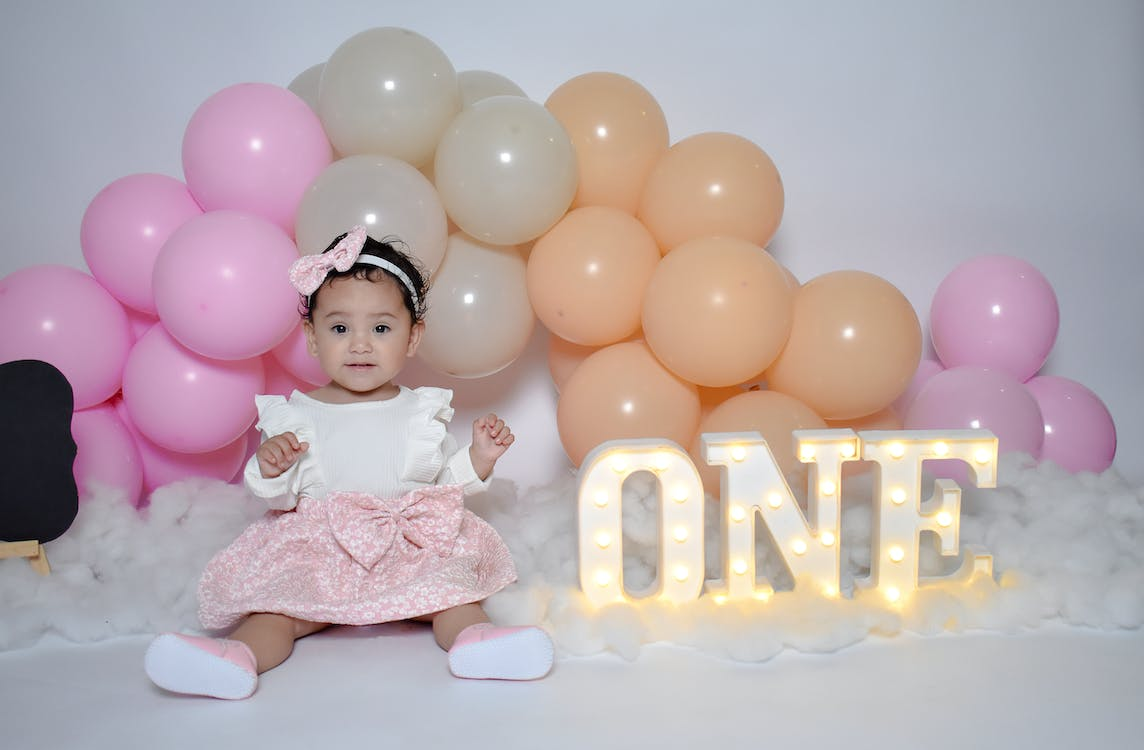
x,y
899,514
753,484
680,572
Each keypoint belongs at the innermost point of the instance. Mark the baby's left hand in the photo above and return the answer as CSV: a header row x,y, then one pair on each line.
x,y
491,438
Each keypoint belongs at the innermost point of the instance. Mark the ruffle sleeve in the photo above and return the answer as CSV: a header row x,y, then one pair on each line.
x,y
425,456
433,457
275,416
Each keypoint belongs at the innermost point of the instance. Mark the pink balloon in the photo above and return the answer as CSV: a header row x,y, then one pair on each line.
x,y
222,285
105,453
995,311
63,316
280,381
162,466
123,229
185,402
140,323
1079,432
254,147
978,398
927,368
296,358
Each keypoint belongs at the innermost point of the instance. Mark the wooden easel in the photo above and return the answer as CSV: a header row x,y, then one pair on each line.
x,y
31,549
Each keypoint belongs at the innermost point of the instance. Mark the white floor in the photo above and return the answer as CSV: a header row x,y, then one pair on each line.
x,y
388,686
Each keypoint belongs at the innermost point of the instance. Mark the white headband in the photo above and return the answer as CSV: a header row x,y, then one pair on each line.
x,y
373,260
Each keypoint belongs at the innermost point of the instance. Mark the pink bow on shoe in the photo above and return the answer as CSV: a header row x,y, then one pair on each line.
x,y
308,272
369,528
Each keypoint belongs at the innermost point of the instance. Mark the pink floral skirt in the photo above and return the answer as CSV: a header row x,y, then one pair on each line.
x,y
356,559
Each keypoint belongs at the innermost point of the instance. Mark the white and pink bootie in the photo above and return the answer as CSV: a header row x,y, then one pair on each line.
x,y
194,665
487,652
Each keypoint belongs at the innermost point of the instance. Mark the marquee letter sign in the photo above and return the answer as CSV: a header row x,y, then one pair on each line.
x,y
754,488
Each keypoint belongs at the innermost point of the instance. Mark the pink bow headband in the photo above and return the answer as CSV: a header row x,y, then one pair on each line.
x,y
308,272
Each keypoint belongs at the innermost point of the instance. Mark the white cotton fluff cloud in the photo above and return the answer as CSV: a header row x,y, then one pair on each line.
x,y
1066,547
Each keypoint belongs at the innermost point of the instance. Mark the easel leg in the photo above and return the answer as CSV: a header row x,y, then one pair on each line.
x,y
31,549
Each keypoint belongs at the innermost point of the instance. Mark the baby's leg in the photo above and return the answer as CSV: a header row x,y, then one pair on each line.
x,y
271,637
480,650
448,624
224,667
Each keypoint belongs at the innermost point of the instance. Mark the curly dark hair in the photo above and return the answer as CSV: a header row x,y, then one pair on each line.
x,y
392,250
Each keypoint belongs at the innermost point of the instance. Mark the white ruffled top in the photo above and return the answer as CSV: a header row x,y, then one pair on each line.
x,y
384,448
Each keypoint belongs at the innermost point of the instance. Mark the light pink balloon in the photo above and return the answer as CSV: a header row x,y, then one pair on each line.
x,y
293,355
185,402
64,317
927,368
106,454
140,323
162,466
965,398
254,147
1080,434
222,285
279,380
123,229
995,311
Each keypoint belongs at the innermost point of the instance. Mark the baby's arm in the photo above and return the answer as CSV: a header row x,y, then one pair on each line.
x,y
277,454
491,438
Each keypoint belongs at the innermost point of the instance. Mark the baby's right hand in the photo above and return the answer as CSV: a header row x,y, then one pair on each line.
x,y
277,454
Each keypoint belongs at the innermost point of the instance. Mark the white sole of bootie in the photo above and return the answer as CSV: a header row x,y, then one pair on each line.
x,y
523,655
176,665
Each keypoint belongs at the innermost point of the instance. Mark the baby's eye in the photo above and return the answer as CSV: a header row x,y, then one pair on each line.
x,y
380,328
338,328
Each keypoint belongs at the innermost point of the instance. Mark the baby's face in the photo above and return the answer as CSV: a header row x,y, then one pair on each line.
x,y
362,334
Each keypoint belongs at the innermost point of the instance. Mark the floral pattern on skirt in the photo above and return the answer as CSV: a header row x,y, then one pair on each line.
x,y
355,559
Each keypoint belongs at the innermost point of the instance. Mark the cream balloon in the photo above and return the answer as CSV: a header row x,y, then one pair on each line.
x,y
481,84
505,170
479,318
388,91
306,84
386,195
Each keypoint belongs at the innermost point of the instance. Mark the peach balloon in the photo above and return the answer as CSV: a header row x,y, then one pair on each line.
x,y
883,419
712,184
774,415
853,348
619,132
587,275
564,357
717,311
622,391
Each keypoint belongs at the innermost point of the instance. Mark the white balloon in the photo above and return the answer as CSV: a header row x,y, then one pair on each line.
x,y
388,91
481,84
479,318
505,170
305,84
386,195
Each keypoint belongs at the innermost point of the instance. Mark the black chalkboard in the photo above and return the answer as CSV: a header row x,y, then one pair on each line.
x,y
38,496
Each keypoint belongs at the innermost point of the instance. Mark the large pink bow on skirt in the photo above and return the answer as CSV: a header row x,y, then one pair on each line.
x,y
369,528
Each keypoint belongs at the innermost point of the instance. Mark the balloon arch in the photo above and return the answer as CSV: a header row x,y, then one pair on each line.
x,y
645,259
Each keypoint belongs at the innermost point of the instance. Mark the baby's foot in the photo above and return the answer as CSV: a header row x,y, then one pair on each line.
x,y
486,652
193,665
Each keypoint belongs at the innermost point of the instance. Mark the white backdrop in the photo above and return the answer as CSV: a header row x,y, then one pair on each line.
x,y
910,135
